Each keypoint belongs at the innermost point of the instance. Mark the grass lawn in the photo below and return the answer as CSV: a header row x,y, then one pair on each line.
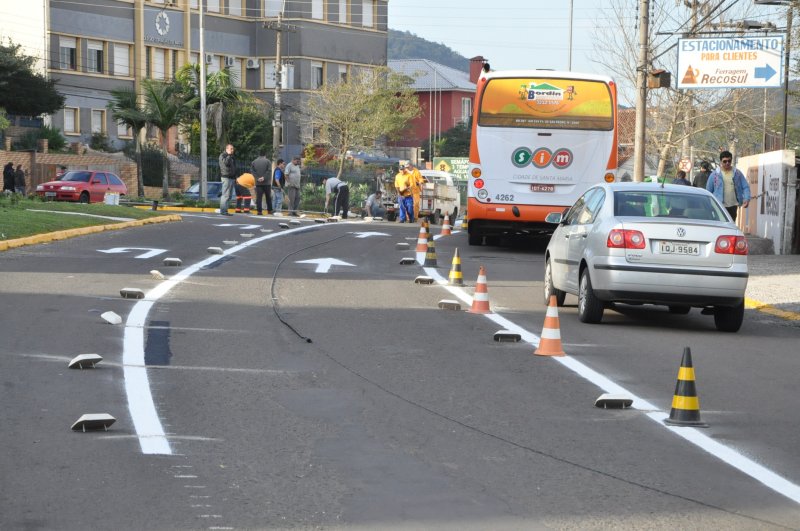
x,y
22,217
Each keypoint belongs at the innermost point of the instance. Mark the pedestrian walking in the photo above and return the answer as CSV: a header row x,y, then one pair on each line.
x,y
278,182
19,180
729,185
8,177
340,191
681,179
405,198
261,168
701,177
227,171
293,185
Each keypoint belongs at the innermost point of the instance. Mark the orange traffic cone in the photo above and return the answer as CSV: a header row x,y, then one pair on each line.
x,y
430,255
685,405
455,277
446,228
480,301
422,240
550,342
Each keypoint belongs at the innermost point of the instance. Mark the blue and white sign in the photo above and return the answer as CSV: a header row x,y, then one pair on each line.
x,y
732,62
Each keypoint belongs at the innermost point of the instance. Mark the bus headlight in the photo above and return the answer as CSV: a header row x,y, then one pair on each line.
x,y
482,194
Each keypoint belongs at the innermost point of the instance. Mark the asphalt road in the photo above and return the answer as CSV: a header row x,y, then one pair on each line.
x,y
292,398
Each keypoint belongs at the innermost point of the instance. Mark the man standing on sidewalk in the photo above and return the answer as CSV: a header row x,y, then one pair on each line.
x,y
293,185
729,185
227,171
261,168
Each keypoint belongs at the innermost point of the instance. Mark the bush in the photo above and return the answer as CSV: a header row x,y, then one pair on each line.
x,y
100,142
55,141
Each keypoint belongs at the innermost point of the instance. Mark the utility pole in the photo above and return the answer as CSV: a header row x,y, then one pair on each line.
x,y
639,148
569,57
203,124
277,125
786,64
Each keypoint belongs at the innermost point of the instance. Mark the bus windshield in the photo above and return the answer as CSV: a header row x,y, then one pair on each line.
x,y
547,103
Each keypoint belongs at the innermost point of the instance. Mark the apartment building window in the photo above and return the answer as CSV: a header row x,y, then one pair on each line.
x,y
236,73
212,63
235,8
212,6
287,77
71,121
94,57
317,10
343,73
317,73
269,74
194,58
158,63
122,60
98,121
175,62
123,131
272,7
67,53
466,109
193,4
368,13
342,11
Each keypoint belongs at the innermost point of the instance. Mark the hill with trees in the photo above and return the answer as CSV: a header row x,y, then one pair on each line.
x,y
406,45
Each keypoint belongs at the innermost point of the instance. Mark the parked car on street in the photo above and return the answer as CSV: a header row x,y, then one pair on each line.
x,y
648,243
83,186
213,189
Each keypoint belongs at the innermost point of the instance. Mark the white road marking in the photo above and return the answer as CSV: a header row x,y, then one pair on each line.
x,y
150,251
324,264
141,406
727,455
114,218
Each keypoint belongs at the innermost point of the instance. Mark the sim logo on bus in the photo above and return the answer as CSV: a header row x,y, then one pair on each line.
x,y
542,157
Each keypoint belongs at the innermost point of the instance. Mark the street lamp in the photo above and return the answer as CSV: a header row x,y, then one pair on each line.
x,y
787,52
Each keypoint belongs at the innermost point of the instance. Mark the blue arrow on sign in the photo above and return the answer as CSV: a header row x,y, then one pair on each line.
x,y
765,72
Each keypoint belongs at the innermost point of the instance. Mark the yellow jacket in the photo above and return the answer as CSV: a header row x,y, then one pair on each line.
x,y
403,183
417,180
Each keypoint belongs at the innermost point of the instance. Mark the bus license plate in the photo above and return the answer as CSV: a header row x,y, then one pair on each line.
x,y
685,248
543,188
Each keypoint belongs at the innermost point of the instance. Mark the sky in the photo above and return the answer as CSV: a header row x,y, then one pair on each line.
x,y
523,34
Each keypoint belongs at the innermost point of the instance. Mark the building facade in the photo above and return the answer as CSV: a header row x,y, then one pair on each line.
x,y
94,47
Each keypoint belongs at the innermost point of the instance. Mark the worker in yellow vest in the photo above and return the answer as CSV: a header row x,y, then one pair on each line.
x,y
405,197
244,185
416,181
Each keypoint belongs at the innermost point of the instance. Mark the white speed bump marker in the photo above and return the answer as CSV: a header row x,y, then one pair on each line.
x,y
449,304
246,235
422,279
85,361
93,421
319,220
294,221
283,225
408,261
507,336
111,318
157,275
172,261
215,250
401,246
131,293
230,242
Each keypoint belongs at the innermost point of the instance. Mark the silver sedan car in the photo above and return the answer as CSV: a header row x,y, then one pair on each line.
x,y
647,243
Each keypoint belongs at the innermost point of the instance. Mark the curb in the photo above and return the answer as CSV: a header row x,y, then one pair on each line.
x,y
72,233
752,304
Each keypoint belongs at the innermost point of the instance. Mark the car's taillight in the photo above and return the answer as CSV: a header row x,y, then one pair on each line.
x,y
625,239
478,183
731,245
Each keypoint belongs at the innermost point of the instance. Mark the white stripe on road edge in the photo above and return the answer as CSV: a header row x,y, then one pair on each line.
x,y
152,438
758,472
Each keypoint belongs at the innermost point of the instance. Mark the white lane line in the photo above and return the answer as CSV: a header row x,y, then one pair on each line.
x,y
141,406
763,475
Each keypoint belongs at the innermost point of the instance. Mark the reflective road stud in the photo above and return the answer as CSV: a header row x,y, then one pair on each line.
x,y
685,404
550,342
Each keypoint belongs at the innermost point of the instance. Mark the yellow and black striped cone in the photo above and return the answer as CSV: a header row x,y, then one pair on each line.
x,y
455,278
430,256
685,405
424,223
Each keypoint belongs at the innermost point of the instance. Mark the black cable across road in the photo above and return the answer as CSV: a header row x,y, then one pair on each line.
x,y
477,430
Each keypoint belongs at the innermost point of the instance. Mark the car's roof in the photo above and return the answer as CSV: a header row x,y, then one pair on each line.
x,y
653,187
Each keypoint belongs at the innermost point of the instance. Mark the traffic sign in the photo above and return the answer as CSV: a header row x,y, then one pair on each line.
x,y
732,62
685,165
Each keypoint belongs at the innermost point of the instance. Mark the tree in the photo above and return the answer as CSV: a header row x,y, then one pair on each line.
x,y
4,123
23,91
165,108
125,109
356,114
453,143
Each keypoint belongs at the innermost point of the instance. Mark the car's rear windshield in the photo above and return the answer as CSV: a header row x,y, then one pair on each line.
x,y
77,176
658,204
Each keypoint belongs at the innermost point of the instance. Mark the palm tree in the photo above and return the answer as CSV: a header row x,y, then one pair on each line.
x,y
165,108
125,109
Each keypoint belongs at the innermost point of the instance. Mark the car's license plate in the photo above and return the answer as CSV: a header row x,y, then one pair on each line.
x,y
543,188
49,194
687,248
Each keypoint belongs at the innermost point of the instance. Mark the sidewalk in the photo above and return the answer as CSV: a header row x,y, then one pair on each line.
x,y
774,285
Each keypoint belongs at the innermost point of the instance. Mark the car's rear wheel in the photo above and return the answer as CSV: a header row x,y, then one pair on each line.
x,y
590,308
729,318
84,198
680,310
549,289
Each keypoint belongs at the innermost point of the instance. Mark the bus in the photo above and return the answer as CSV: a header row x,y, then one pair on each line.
x,y
540,138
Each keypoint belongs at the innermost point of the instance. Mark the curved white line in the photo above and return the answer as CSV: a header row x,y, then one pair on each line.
x,y
724,453
141,406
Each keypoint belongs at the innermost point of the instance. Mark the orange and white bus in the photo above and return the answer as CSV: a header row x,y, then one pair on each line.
x,y
540,138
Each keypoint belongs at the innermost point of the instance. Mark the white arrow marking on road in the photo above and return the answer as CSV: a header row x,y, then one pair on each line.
x,y
324,264
242,225
151,252
368,234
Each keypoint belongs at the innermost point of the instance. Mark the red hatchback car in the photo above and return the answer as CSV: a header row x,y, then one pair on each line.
x,y
83,186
